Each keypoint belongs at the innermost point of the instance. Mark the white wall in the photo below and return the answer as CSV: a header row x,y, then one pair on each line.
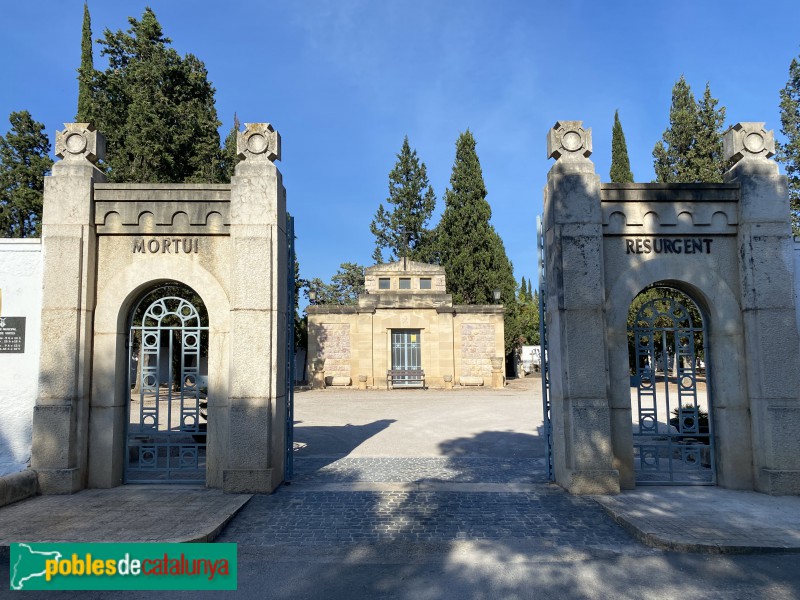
x,y
21,285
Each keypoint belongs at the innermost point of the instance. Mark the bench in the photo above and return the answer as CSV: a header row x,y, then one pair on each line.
x,y
405,377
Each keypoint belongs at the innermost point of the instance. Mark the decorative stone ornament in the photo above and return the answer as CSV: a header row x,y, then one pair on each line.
x,y
748,141
259,142
80,141
568,139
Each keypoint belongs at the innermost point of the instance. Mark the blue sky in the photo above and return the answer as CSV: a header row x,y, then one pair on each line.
x,y
343,81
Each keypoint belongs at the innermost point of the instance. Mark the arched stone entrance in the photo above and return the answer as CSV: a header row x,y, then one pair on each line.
x,y
168,378
673,441
105,245
726,245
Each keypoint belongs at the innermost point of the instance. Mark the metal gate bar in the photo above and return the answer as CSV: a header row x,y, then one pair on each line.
x,y
171,450
545,359
679,449
290,367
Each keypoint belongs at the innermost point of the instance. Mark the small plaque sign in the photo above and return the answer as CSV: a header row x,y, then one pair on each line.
x,y
12,335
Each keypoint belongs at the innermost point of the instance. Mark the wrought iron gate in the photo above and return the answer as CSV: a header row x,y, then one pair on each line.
x,y
290,366
166,440
548,429
406,353
673,441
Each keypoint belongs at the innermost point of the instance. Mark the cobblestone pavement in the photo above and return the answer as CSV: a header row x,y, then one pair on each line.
x,y
399,470
543,517
324,469
548,518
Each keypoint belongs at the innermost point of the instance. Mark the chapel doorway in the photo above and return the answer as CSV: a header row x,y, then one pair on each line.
x,y
406,355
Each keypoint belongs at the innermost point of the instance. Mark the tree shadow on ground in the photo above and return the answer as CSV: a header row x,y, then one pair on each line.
x,y
332,442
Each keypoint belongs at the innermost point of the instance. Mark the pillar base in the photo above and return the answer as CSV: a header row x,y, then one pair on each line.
x,y
583,483
59,481
248,481
779,482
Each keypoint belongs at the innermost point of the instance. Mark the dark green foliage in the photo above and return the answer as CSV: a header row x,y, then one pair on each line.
x,y
467,245
709,163
528,317
24,162
789,152
345,286
523,290
229,154
156,109
691,148
402,230
86,71
620,164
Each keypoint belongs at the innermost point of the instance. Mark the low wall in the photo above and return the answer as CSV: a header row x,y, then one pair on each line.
x,y
21,287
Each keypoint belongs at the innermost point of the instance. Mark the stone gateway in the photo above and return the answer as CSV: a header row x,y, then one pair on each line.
x,y
725,246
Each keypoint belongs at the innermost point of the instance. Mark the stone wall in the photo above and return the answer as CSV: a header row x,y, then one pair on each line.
x,y
477,349
334,340
21,285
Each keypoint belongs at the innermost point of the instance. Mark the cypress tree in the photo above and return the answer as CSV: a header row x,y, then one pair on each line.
x,y
620,164
86,70
24,161
691,147
523,291
468,247
789,152
403,230
707,154
229,154
672,154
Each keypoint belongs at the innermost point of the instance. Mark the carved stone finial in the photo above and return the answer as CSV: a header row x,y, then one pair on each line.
x,y
259,142
748,141
80,141
569,140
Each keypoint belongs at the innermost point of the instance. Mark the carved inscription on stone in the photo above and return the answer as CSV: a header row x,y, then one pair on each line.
x,y
166,245
659,245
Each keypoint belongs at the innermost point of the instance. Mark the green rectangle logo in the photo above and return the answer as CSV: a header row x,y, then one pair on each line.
x,y
101,566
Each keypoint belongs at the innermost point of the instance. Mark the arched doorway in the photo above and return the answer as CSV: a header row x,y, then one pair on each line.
x,y
673,438
168,383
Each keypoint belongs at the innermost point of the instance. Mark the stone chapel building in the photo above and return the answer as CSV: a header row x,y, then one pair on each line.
x,y
405,320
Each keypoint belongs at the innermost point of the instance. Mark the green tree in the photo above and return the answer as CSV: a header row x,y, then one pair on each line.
x,y
789,152
230,157
620,164
672,153
402,230
86,70
155,107
691,148
24,162
345,286
468,246
709,163
523,290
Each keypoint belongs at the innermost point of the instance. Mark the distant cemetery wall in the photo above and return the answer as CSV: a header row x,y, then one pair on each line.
x,y
21,286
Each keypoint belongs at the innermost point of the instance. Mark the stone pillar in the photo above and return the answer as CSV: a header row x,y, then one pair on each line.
x,y
256,411
582,448
498,379
61,415
766,272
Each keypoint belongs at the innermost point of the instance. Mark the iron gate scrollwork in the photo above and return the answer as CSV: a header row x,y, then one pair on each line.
x,y
673,439
166,435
